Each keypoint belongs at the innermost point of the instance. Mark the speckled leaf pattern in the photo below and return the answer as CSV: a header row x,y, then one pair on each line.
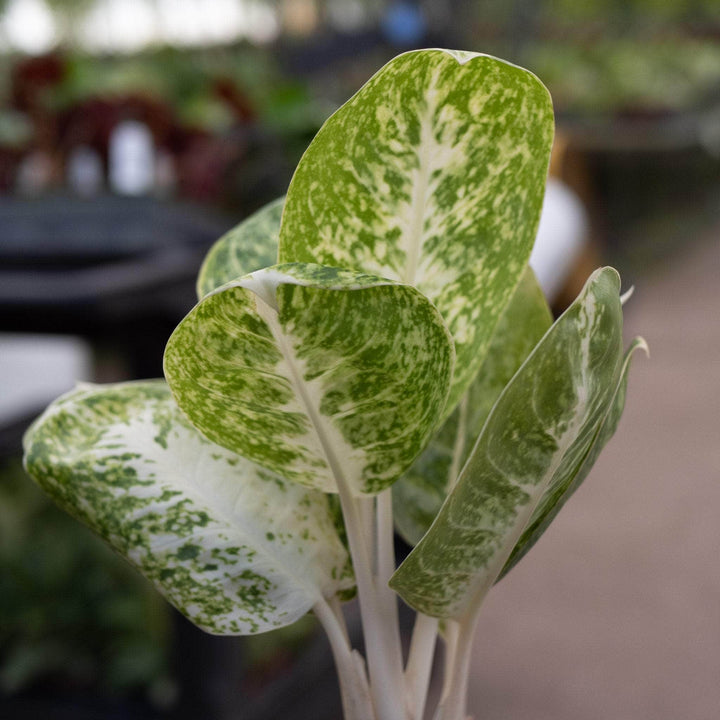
x,y
249,246
432,174
558,495
419,494
234,547
536,439
320,374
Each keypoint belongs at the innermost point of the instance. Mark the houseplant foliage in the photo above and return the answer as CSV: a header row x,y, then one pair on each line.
x,y
400,349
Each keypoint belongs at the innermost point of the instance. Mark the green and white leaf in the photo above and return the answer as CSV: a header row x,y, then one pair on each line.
x,y
323,375
234,547
432,174
249,246
419,494
554,500
534,443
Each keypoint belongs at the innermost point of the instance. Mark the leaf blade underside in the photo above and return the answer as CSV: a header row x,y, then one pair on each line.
x,y
536,439
553,501
234,547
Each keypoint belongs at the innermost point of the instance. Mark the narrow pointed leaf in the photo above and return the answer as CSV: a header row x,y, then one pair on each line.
x,y
249,246
559,494
433,175
320,374
235,548
419,494
535,440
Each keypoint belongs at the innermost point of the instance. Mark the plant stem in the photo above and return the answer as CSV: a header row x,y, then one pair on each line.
x,y
387,599
336,607
385,677
452,705
366,510
385,565
451,641
354,690
420,662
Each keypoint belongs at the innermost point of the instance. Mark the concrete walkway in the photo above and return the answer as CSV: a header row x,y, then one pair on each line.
x,y
615,614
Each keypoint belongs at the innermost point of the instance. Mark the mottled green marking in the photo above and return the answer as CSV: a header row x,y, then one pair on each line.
x,y
249,246
194,518
559,493
536,442
419,494
315,373
432,174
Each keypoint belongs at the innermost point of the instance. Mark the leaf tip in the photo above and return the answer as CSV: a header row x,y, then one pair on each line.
x,y
640,343
627,295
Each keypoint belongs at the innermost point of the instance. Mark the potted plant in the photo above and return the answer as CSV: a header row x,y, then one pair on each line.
x,y
370,353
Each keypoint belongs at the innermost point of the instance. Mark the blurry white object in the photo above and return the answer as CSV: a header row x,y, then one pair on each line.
x,y
561,237
85,171
35,369
28,26
131,159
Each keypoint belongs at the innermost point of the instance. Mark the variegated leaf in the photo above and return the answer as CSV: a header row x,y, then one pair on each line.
x,y
234,547
432,174
320,374
558,495
535,441
249,246
419,494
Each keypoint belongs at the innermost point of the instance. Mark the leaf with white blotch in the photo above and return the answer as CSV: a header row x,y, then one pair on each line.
x,y
321,374
234,547
249,246
419,494
553,501
536,440
432,174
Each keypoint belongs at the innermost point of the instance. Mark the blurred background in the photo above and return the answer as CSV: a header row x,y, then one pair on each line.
x,y
133,133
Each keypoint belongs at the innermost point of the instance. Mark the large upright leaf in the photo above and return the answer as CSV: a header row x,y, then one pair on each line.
x,y
535,443
249,246
419,494
321,374
432,174
234,547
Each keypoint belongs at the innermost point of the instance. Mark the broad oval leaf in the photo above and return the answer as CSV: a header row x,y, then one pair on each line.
x,y
234,547
320,374
419,493
432,174
535,441
249,246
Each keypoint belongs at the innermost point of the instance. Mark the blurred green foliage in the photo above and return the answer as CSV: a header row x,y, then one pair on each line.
x,y
643,13
624,75
185,80
72,614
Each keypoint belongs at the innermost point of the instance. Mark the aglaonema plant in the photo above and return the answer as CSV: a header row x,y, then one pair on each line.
x,y
374,342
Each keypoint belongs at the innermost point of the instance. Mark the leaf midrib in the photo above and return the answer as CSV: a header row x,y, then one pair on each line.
x,y
269,315
419,200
